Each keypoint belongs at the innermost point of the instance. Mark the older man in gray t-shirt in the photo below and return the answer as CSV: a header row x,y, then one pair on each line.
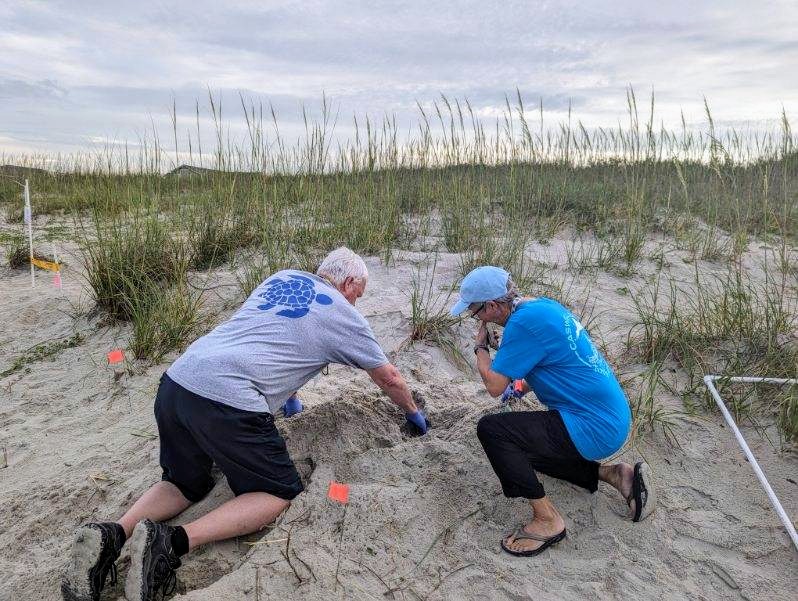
x,y
288,330
215,404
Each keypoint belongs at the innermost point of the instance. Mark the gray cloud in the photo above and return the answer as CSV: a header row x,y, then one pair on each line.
x,y
33,90
73,72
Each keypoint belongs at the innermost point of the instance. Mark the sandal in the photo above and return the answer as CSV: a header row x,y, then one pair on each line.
x,y
521,534
642,492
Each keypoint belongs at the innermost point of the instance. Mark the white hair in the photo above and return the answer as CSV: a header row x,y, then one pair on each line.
x,y
343,263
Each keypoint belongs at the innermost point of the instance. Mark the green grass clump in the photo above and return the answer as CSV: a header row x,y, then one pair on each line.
x,y
42,351
505,249
616,253
122,258
164,318
17,253
214,241
648,415
788,415
138,270
724,325
459,233
430,320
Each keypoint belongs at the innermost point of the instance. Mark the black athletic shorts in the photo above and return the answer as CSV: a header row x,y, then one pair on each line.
x,y
196,432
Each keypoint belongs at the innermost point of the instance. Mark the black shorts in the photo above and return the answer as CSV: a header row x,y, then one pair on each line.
x,y
196,432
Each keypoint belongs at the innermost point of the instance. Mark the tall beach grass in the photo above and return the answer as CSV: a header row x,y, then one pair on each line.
x,y
454,183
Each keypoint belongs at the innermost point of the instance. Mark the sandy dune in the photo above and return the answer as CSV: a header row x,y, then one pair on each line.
x,y
425,515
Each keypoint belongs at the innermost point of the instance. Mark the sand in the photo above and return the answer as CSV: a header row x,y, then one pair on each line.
x,y
425,514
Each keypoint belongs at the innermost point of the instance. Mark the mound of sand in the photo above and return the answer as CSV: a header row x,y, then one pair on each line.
x,y
425,515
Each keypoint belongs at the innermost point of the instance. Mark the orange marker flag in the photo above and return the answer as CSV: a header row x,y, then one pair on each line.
x,y
339,492
116,356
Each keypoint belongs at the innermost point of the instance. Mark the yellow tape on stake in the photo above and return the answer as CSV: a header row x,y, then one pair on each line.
x,y
48,265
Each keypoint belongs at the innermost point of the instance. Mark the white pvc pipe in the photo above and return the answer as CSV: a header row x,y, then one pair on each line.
x,y
710,383
750,380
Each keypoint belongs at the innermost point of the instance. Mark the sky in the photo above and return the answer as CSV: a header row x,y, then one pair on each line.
x,y
76,75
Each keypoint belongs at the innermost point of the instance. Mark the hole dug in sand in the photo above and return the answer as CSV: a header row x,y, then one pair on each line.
x,y
335,436
413,515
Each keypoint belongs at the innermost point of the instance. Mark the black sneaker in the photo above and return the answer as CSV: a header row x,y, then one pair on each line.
x,y
152,562
95,550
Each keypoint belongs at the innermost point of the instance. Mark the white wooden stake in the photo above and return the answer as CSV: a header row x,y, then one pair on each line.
x,y
29,220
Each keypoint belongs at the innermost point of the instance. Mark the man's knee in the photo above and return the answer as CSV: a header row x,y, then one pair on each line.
x,y
486,427
194,491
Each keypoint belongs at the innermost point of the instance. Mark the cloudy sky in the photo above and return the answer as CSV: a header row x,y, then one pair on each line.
x,y
77,74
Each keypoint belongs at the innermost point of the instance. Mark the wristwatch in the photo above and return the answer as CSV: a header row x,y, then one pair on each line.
x,y
481,346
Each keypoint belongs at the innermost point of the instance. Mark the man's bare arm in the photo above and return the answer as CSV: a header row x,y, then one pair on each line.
x,y
390,381
495,383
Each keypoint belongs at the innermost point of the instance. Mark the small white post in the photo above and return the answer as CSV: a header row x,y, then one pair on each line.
x,y
29,221
774,500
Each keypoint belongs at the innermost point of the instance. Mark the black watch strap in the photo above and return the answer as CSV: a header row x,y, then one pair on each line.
x,y
481,346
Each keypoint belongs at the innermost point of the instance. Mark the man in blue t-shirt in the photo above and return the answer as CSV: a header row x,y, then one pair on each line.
x,y
546,349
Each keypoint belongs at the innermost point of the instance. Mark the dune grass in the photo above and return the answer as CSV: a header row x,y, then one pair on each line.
x,y
17,252
430,320
164,318
724,324
648,414
454,183
124,257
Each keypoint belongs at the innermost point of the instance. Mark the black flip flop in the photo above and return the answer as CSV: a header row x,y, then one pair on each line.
x,y
521,534
642,492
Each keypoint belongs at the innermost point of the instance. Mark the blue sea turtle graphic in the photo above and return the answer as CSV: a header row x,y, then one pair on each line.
x,y
297,293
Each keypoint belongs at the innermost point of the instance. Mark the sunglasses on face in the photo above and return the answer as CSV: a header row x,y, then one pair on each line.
x,y
475,313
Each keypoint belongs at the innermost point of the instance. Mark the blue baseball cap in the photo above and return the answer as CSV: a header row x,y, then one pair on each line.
x,y
480,285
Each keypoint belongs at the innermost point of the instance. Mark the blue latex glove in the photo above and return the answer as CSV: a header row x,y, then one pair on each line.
x,y
292,406
418,422
507,394
511,392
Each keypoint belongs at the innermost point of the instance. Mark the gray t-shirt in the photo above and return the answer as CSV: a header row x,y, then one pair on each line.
x,y
287,331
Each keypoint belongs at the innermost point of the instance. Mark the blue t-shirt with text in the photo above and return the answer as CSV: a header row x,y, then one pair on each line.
x,y
546,345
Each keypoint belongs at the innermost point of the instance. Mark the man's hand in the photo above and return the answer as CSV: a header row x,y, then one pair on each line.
x,y
493,339
514,390
292,406
481,339
508,394
417,422
391,382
